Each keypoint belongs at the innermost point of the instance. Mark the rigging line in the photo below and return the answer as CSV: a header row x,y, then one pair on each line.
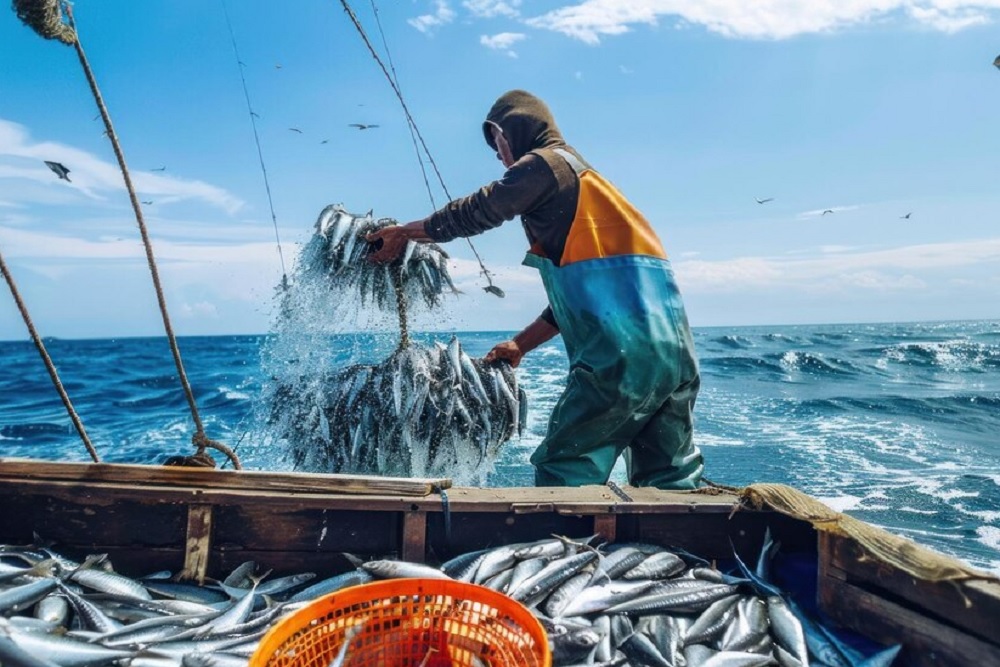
x,y
256,138
48,362
409,118
200,440
409,126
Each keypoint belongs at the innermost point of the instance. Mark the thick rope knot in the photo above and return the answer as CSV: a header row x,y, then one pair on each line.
x,y
45,17
201,441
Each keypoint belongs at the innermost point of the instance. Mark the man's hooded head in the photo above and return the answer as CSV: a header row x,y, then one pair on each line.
x,y
526,122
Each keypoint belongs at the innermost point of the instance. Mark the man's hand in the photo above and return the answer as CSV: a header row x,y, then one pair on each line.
x,y
393,238
505,351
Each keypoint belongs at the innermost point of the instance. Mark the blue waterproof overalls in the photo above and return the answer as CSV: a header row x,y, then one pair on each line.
x,y
633,375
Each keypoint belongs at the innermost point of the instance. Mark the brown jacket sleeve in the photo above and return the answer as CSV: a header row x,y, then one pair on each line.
x,y
527,184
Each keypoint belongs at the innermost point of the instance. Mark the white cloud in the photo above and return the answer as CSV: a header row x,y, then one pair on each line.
x,y
590,20
426,23
491,8
502,42
199,310
21,159
894,269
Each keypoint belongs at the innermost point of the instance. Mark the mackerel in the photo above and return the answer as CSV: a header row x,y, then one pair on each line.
x,y
599,598
397,569
565,593
640,650
22,597
658,566
12,655
534,588
108,582
786,628
679,600
712,621
67,652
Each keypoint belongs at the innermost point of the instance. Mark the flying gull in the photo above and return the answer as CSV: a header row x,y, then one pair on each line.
x,y
60,171
763,201
295,129
905,217
829,210
361,126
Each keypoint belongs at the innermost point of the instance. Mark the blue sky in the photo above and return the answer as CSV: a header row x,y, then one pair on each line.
x,y
869,108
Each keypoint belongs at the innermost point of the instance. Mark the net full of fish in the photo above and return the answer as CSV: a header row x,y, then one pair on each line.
x,y
424,411
617,604
338,251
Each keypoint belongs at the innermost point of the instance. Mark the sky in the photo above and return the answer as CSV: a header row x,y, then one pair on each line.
x,y
869,109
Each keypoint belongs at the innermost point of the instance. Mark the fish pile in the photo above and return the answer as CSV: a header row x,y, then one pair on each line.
x,y
617,604
424,412
338,251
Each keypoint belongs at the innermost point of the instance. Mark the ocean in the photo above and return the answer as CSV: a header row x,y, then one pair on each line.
x,y
895,424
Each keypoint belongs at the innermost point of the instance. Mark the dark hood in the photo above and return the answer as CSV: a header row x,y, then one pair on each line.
x,y
526,122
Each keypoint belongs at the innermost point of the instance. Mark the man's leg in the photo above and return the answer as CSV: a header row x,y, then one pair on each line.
x,y
663,454
588,430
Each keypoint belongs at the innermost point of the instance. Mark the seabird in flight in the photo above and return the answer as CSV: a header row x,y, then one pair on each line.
x,y
60,171
362,126
763,201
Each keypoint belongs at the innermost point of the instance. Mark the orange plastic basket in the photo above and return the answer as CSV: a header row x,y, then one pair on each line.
x,y
408,623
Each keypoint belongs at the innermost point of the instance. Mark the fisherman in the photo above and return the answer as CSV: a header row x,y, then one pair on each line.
x,y
633,375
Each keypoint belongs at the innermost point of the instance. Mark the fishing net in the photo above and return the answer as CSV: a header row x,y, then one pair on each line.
x,y
406,410
46,18
920,562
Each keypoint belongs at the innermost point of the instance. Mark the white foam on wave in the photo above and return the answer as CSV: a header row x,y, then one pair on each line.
x,y
989,536
914,510
710,440
234,394
987,516
841,503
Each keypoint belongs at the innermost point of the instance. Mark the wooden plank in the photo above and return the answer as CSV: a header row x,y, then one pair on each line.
x,y
571,501
927,643
950,601
277,529
211,478
197,544
414,537
606,526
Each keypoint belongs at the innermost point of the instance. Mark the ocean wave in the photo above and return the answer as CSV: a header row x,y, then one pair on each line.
x,y
34,430
815,364
953,355
733,341
731,364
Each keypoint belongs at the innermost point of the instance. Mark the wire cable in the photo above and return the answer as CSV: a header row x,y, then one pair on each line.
x,y
493,289
256,138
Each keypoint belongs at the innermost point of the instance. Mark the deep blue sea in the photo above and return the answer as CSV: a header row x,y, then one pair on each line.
x,y
896,424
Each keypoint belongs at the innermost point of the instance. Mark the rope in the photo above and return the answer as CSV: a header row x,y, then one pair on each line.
x,y
45,18
199,439
619,491
256,138
397,284
409,118
48,362
409,125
